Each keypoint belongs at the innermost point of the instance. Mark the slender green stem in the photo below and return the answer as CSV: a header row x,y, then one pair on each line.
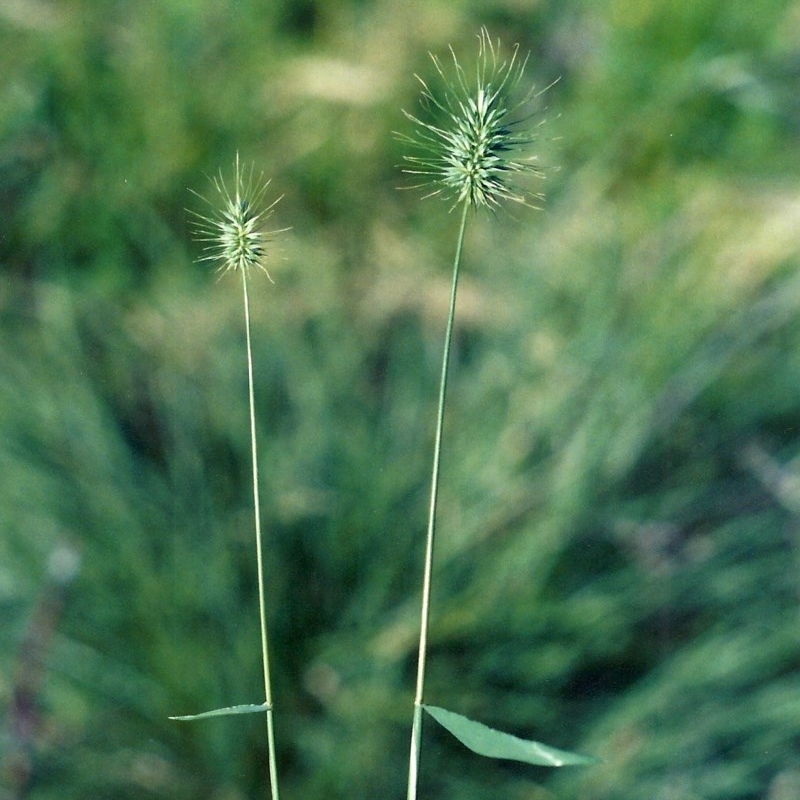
x,y
273,770
416,727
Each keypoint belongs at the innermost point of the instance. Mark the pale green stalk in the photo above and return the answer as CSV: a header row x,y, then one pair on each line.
x,y
273,770
234,236
416,726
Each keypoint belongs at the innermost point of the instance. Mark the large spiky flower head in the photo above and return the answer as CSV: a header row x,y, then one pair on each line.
x,y
473,145
233,233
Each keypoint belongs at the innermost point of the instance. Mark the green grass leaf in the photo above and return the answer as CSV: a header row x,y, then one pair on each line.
x,y
486,741
227,712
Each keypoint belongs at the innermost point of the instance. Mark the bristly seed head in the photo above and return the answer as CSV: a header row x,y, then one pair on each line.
x,y
234,234
477,149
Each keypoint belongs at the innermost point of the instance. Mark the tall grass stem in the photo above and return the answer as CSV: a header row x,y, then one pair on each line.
x,y
273,770
416,727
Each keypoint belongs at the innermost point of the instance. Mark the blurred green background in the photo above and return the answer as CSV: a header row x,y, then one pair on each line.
x,y
618,569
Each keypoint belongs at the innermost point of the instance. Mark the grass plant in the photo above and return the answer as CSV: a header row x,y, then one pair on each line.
x,y
235,237
470,149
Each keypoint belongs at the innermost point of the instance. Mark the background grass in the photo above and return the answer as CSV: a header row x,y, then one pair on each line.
x,y
618,564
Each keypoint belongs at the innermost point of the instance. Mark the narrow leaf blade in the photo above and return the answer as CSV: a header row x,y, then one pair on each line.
x,y
486,741
227,712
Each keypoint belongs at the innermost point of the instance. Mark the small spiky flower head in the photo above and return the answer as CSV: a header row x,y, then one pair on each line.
x,y
477,149
234,234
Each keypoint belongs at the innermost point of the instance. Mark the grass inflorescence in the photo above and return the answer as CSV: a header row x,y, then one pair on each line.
x,y
233,233
473,142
